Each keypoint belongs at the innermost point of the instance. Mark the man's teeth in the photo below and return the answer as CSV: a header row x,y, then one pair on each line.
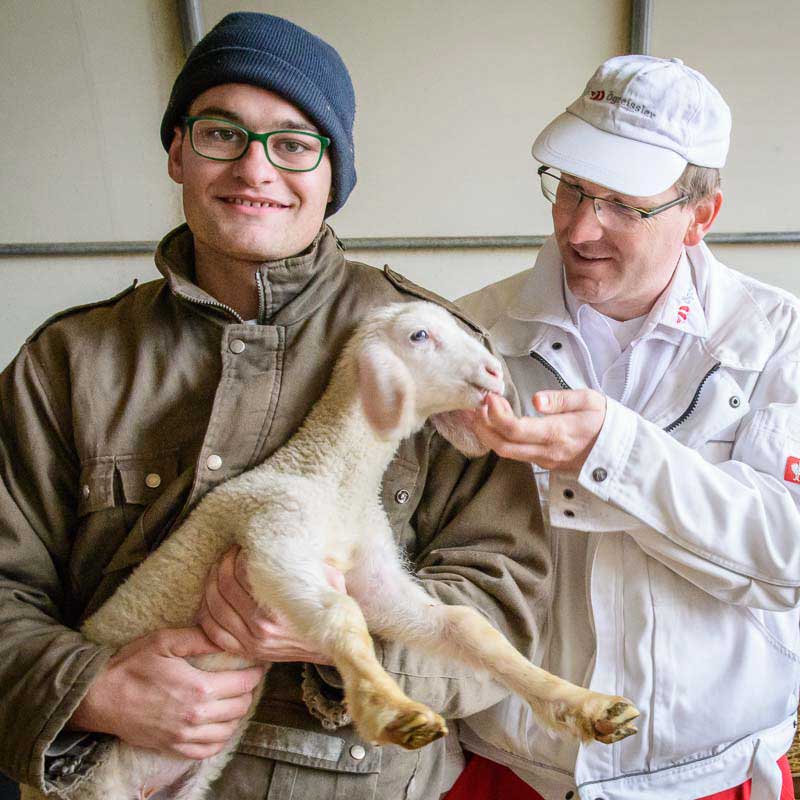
x,y
238,201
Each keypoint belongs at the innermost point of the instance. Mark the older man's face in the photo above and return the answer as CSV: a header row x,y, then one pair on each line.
x,y
248,209
620,274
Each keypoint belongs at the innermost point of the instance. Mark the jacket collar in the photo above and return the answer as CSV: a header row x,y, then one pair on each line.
x,y
722,314
739,334
291,288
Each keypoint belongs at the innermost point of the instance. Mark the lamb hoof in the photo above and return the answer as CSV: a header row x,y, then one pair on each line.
x,y
611,723
415,728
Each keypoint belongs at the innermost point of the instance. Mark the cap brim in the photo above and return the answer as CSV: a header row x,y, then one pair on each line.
x,y
618,163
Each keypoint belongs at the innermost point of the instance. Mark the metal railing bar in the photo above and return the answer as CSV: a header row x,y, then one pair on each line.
x,y
52,249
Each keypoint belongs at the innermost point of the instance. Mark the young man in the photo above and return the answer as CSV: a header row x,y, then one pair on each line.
x,y
116,419
663,399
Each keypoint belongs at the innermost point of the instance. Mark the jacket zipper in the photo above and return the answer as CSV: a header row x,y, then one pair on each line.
x,y
548,366
210,303
669,428
262,300
688,413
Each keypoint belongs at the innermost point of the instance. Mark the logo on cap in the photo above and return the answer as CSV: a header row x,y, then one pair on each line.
x,y
597,95
792,473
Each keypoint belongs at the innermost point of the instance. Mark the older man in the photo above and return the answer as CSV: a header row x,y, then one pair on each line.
x,y
116,419
663,402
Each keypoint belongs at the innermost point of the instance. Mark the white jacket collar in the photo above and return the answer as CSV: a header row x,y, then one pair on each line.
x,y
739,334
722,314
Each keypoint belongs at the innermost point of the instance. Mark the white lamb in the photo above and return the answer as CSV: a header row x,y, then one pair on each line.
x,y
405,363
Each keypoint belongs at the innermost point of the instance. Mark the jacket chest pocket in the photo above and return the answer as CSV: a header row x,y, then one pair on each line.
x,y
113,493
119,481
716,451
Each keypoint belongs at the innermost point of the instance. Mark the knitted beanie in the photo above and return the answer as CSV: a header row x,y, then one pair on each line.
x,y
275,54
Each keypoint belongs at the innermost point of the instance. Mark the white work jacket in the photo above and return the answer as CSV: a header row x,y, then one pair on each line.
x,y
676,548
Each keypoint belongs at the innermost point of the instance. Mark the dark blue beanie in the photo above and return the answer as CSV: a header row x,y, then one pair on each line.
x,y
277,55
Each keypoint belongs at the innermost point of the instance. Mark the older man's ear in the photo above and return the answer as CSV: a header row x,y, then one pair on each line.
x,y
703,215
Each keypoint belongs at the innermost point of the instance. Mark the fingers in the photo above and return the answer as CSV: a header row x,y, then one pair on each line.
x,y
560,402
197,752
240,569
203,741
230,683
227,609
216,632
228,710
520,438
560,440
182,642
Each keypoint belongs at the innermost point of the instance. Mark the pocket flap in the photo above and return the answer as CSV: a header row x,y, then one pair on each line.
x,y
399,489
143,478
309,748
96,488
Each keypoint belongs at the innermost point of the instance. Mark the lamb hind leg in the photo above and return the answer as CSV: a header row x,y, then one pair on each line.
x,y
403,611
334,624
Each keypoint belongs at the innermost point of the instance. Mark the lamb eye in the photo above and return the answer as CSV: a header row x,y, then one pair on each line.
x,y
419,336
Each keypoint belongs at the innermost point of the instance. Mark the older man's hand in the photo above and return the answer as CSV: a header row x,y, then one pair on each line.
x,y
560,440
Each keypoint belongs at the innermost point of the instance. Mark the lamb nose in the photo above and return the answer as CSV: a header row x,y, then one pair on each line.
x,y
493,371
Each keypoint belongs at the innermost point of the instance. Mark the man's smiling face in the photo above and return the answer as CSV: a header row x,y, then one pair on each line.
x,y
248,209
620,274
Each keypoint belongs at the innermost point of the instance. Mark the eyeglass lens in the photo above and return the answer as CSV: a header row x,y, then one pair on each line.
x,y
566,198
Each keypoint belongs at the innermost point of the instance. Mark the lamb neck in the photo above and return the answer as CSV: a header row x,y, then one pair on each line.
x,y
335,441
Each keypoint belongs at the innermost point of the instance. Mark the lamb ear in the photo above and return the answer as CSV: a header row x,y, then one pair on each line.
x,y
456,427
387,391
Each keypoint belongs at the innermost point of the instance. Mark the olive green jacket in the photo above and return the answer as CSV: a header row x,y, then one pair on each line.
x,y
108,417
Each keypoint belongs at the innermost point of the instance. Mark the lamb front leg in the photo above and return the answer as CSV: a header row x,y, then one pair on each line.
x,y
399,609
333,623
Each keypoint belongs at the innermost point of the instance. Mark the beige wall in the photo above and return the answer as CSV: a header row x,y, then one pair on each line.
x,y
450,96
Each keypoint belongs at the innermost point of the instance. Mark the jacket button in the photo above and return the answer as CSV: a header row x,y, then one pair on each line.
x,y
569,513
357,752
569,795
735,402
569,494
85,490
599,474
557,345
214,462
402,496
153,480
236,346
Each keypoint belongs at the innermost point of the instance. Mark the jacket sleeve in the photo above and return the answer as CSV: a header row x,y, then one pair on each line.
x,y
730,528
479,542
45,666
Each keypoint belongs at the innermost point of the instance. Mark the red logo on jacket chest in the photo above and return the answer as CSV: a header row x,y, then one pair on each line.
x,y
792,473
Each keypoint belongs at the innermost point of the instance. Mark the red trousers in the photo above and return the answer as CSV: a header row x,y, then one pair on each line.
x,y
484,780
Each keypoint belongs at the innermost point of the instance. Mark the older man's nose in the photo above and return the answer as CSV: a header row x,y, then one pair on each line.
x,y
585,226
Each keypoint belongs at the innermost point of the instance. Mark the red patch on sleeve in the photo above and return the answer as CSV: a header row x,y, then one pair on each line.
x,y
792,473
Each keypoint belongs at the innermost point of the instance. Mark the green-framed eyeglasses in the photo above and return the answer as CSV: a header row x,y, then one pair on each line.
x,y
566,196
223,140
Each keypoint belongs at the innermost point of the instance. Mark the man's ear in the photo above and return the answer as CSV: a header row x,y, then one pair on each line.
x,y
703,215
175,156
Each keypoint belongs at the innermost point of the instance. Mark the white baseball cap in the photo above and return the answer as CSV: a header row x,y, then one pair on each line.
x,y
637,125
